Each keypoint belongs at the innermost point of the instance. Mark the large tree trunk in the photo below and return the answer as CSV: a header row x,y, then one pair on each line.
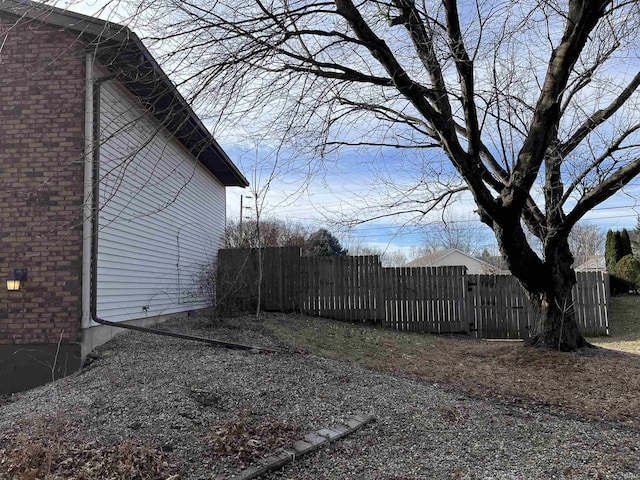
x,y
548,285
555,323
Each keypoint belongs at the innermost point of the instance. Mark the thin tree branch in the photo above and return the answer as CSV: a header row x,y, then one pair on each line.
x,y
598,118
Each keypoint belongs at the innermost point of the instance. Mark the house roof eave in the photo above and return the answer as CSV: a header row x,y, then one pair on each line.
x,y
123,53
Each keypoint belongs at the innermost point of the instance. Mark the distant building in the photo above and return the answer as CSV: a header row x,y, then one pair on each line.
x,y
454,258
594,263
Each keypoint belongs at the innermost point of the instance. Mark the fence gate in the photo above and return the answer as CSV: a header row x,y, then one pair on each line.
x,y
498,307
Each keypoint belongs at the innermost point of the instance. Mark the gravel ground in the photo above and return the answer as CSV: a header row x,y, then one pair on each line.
x,y
172,393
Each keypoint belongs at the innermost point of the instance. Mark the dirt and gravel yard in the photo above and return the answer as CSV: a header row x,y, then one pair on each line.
x,y
445,407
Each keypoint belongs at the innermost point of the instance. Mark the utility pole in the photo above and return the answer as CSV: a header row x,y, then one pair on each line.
x,y
241,216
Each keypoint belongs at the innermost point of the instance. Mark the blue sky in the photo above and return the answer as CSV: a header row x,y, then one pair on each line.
x,y
350,188
329,197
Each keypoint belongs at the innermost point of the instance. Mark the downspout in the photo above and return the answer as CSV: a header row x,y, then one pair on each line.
x,y
91,210
87,217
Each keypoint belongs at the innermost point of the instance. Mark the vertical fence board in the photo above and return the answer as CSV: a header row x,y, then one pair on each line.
x,y
437,303
470,286
353,287
395,303
423,292
410,298
385,314
401,297
431,299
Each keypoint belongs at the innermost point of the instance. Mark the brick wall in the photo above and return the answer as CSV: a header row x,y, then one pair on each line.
x,y
41,188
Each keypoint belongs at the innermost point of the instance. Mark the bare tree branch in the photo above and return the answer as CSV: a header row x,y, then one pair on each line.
x,y
598,118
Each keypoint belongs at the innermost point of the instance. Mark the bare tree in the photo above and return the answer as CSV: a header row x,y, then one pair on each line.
x,y
586,240
388,257
531,107
274,233
457,232
259,187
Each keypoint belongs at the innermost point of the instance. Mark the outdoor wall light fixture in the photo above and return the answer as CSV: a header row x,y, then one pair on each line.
x,y
15,277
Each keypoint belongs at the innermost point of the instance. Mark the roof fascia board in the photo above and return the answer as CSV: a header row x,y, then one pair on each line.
x,y
66,19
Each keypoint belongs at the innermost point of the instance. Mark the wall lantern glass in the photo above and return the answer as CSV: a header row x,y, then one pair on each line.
x,y
15,278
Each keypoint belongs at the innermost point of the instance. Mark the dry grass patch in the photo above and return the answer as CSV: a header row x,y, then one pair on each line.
x,y
245,439
600,384
52,448
456,414
625,325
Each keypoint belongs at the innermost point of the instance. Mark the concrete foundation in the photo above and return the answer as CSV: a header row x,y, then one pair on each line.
x,y
29,365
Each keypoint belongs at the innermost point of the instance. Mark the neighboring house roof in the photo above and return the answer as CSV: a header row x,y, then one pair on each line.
x,y
453,257
497,261
429,259
595,263
122,52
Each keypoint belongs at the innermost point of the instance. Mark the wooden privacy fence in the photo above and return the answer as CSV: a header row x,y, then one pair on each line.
x,y
420,299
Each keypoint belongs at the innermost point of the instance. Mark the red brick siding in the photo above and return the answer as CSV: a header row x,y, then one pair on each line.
x,y
41,187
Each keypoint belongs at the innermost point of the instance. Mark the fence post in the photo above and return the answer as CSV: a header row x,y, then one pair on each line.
x,y
380,296
471,317
607,299
464,306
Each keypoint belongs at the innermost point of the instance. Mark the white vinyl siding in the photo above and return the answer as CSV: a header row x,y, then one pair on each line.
x,y
161,216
